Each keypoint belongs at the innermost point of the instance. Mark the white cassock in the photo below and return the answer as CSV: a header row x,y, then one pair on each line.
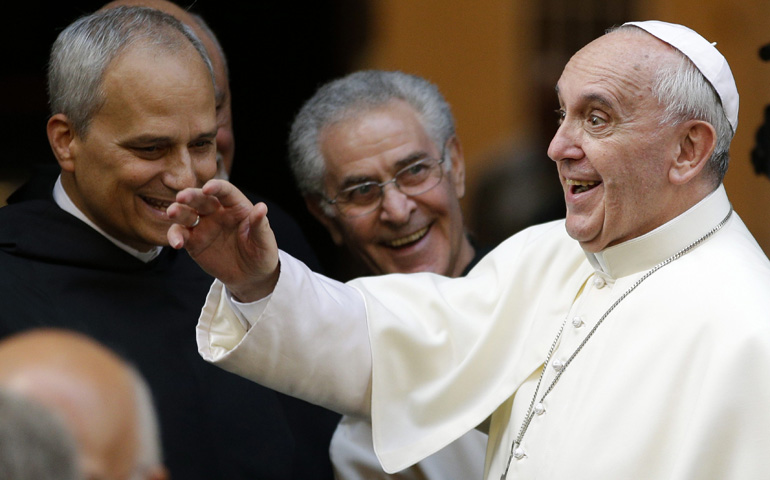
x,y
353,458
674,384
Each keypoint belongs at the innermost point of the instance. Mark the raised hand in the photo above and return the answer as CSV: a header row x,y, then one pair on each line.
x,y
229,237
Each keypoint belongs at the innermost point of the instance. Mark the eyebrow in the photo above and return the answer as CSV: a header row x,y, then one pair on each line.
x,y
146,139
596,98
207,135
410,159
165,140
591,97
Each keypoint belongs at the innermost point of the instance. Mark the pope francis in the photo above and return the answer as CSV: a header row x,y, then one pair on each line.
x,y
629,340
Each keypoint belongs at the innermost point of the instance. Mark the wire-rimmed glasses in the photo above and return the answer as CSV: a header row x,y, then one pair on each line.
x,y
414,179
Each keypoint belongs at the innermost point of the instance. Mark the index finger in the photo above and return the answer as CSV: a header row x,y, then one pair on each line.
x,y
227,194
194,199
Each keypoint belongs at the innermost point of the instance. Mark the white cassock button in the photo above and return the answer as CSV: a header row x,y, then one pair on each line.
x,y
557,365
599,282
577,322
518,453
539,408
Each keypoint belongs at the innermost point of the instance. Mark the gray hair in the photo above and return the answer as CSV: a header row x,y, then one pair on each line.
x,y
84,50
354,94
34,441
688,95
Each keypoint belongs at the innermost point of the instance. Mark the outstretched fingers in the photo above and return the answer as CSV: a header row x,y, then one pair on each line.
x,y
202,209
206,200
228,236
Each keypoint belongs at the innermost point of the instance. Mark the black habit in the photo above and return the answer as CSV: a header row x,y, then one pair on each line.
x,y
57,271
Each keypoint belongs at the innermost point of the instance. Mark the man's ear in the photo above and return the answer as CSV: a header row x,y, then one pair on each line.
x,y
695,148
457,174
61,136
313,203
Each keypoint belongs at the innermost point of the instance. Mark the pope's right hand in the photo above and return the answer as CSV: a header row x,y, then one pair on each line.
x,y
227,236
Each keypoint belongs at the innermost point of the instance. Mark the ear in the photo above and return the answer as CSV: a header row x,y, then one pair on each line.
x,y
61,137
696,145
457,174
313,203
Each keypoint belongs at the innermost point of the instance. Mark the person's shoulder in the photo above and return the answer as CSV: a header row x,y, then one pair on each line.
x,y
733,253
554,229
538,252
40,232
544,239
728,285
30,214
39,186
32,205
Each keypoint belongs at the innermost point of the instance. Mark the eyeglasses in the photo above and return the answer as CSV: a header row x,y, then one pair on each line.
x,y
412,180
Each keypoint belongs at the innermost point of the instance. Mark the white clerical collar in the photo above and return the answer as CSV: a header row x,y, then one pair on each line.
x,y
643,253
63,200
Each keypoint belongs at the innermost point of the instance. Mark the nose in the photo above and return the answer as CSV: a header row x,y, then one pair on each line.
x,y
397,206
185,169
565,144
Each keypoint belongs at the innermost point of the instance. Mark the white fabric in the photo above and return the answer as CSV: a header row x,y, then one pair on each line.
x,y
353,458
672,385
329,349
704,55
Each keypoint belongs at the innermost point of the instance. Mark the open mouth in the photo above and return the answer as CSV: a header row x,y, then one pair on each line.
x,y
580,186
409,239
161,205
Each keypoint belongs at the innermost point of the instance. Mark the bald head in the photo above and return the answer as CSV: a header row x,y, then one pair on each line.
x,y
96,393
225,140
34,442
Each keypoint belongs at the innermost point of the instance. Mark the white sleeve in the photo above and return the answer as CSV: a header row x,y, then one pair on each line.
x,y
309,339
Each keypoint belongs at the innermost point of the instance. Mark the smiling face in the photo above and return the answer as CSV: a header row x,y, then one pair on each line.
x,y
154,136
225,137
406,234
612,154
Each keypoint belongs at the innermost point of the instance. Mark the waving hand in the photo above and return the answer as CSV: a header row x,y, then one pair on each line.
x,y
229,237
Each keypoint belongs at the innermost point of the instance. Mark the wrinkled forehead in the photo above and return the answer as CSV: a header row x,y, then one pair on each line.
x,y
626,48
374,123
622,65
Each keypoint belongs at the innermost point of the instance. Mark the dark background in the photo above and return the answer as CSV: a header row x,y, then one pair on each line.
x,y
278,54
